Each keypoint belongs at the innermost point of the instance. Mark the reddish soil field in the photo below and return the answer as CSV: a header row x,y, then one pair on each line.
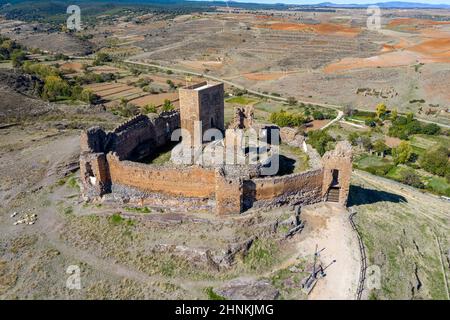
x,y
316,124
429,51
435,50
323,28
264,76
106,69
415,22
156,99
75,66
201,65
391,59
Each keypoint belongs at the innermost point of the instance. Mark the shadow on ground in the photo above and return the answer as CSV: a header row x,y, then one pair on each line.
x,y
360,196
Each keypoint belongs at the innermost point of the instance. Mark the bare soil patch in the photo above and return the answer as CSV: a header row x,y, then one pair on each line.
x,y
322,28
156,99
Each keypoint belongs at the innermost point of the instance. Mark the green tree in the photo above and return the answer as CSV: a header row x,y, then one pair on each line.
x,y
55,87
409,117
403,153
284,119
18,57
320,140
101,58
317,115
171,84
88,96
436,161
381,110
431,129
291,101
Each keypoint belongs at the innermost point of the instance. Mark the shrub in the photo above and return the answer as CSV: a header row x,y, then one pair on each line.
x,y
320,140
126,110
261,254
101,58
284,119
212,295
410,178
317,115
150,108
39,69
88,96
291,101
18,56
436,161
431,129
171,84
167,106
370,123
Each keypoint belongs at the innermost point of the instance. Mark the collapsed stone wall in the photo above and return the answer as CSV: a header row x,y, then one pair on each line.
x,y
128,136
96,144
243,118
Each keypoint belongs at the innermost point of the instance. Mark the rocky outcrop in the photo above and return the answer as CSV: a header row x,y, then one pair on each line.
x,y
244,289
20,82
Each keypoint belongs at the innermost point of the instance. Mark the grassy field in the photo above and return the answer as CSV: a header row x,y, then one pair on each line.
x,y
400,228
5,65
425,142
242,100
294,160
368,161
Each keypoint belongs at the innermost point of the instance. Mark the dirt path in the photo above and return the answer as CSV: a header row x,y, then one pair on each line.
x,y
328,227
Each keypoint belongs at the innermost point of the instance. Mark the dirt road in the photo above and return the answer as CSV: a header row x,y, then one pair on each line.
x,y
328,227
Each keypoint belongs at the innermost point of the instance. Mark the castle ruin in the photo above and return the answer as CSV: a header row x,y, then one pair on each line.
x,y
112,168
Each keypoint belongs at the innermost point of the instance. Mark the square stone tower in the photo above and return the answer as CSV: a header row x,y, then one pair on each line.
x,y
201,102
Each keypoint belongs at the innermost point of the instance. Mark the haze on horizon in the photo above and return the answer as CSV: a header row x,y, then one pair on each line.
x,y
340,1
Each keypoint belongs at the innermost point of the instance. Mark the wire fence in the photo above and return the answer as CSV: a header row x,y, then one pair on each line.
x,y
362,274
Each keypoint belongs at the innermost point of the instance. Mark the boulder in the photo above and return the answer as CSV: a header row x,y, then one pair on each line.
x,y
245,289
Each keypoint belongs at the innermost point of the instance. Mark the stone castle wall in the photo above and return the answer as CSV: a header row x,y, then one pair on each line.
x,y
191,182
129,135
106,169
195,187
301,188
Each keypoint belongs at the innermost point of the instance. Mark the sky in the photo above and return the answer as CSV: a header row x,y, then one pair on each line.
x,y
343,1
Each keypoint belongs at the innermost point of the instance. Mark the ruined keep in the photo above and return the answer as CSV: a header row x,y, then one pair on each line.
x,y
113,166
202,102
